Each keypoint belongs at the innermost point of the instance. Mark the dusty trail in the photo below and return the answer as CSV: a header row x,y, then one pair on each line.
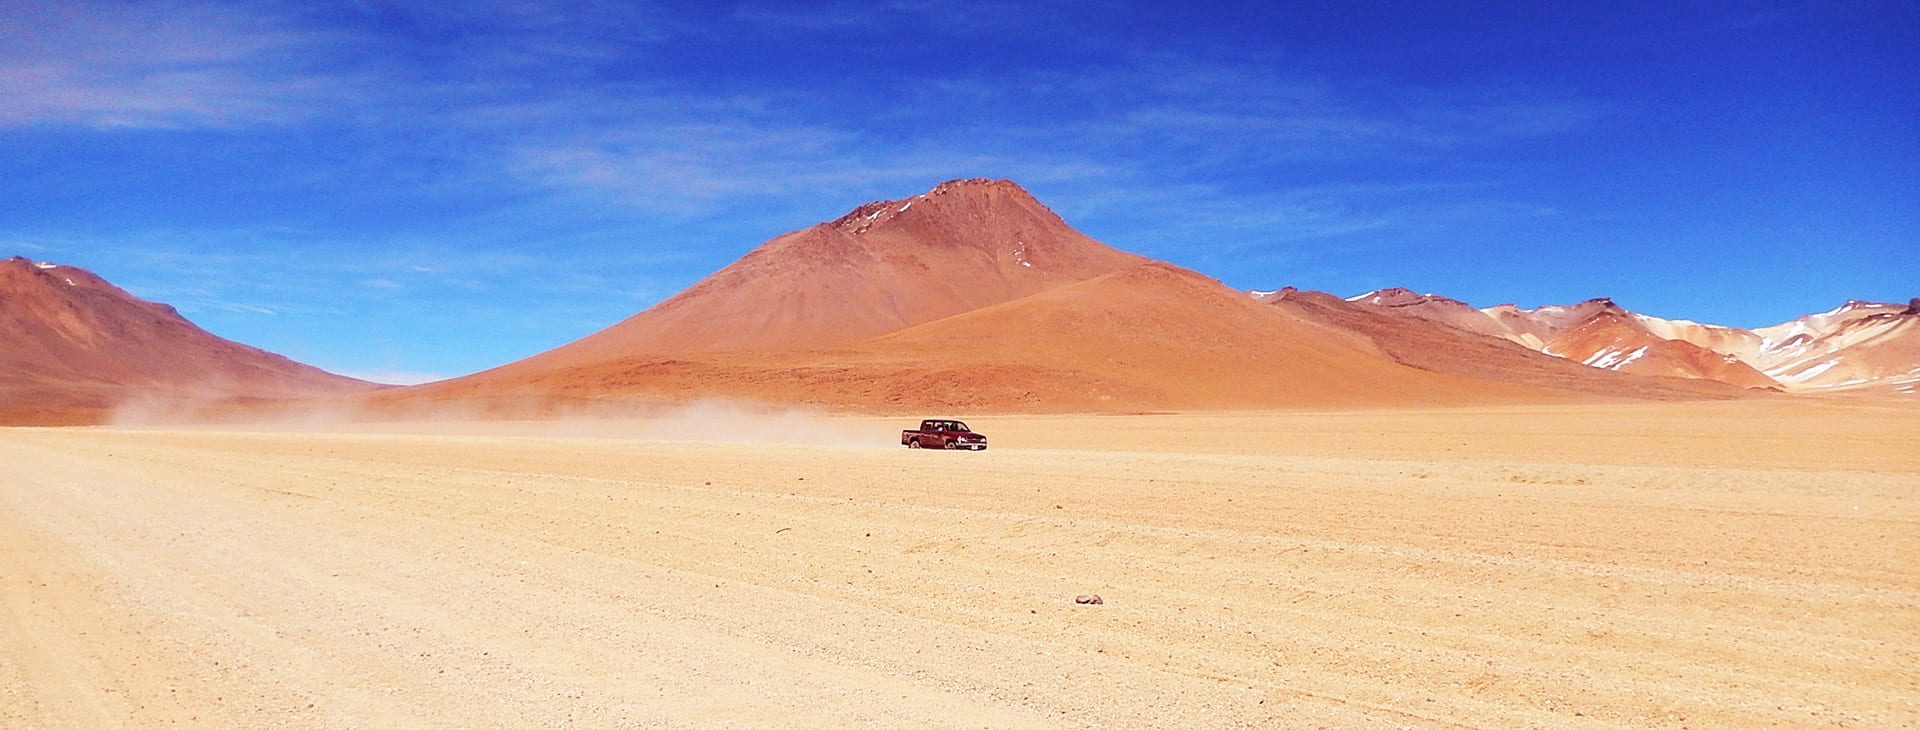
x,y
155,578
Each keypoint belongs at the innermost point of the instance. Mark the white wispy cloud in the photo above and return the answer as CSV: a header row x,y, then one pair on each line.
x,y
121,65
700,169
241,308
838,16
948,17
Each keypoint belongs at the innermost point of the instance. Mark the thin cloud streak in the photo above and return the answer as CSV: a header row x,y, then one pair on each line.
x,y
111,65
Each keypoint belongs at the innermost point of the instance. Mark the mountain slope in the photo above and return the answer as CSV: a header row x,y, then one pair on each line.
x,y
1437,336
76,345
1596,334
1433,307
1165,337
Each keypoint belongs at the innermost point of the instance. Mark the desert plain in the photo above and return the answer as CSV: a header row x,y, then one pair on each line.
x,y
1748,563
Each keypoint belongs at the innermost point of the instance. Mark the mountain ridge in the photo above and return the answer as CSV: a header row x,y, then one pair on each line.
x,y
884,266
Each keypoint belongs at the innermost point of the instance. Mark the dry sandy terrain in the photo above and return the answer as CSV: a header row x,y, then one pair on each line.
x,y
1724,565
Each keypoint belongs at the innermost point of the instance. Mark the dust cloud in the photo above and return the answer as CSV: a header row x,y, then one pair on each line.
x,y
725,421
699,421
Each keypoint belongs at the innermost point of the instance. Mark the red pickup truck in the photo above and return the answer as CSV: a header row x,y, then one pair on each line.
x,y
943,434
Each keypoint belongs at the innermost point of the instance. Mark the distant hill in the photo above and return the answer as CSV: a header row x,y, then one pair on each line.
x,y
1859,347
1447,336
76,347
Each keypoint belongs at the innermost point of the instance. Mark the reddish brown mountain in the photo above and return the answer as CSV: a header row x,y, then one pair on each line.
x,y
77,346
885,266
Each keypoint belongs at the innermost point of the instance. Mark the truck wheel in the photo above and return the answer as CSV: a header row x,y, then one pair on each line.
x,y
947,445
914,444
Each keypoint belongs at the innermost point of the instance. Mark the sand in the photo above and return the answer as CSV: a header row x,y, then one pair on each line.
x,y
1736,564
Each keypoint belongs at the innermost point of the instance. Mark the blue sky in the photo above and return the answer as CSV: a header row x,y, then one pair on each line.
x,y
412,190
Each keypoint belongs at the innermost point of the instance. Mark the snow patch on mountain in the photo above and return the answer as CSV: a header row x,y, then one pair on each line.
x,y
1611,359
1796,373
